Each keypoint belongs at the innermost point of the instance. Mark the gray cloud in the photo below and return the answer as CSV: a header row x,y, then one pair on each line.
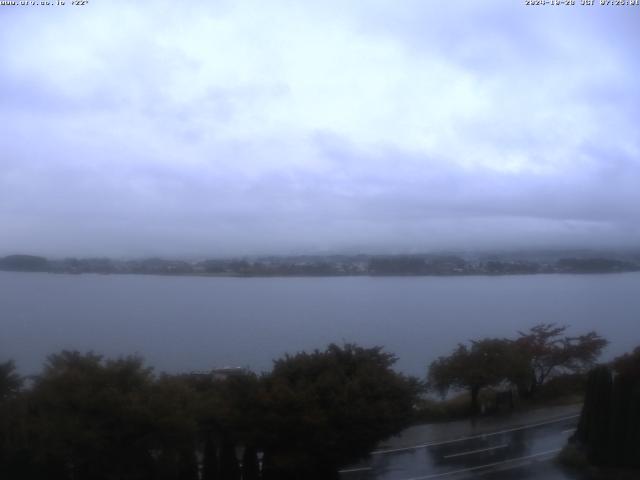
x,y
370,125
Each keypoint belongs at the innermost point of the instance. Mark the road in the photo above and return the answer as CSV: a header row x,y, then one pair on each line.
x,y
517,452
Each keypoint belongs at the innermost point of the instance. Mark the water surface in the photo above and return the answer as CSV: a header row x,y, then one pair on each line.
x,y
194,323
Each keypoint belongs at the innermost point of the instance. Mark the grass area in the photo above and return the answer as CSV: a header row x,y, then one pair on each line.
x,y
457,407
432,410
560,391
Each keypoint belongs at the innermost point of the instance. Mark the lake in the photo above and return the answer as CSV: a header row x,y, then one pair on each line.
x,y
197,323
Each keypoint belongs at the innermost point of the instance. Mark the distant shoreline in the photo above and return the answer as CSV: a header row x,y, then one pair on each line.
x,y
363,275
330,266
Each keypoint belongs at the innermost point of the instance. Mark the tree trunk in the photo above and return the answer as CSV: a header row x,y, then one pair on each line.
x,y
229,469
475,406
250,464
528,387
210,465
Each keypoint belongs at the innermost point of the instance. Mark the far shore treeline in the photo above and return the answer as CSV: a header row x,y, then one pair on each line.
x,y
343,265
85,416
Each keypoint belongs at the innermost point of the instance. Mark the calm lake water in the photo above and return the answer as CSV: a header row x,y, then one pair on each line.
x,y
191,323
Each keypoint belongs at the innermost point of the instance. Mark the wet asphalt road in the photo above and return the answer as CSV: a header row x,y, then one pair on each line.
x,y
523,452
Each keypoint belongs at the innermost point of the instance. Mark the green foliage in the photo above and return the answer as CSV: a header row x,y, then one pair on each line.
x,y
86,417
565,387
454,407
330,407
594,265
10,381
546,351
397,265
628,365
24,263
484,363
609,428
595,419
90,417
11,429
543,353
626,410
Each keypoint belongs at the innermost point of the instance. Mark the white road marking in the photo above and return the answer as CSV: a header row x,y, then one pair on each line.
x,y
471,452
351,470
473,437
488,465
568,430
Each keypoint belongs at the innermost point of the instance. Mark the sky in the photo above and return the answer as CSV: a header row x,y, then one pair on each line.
x,y
253,127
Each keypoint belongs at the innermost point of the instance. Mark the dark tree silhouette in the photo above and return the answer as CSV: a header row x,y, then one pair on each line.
x,y
546,351
10,381
331,407
87,417
609,427
484,363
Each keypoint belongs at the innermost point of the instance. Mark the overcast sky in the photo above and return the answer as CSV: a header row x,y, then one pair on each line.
x,y
237,127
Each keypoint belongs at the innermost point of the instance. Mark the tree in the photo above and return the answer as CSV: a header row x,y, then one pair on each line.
x,y
24,263
90,418
545,351
172,436
328,408
625,431
229,413
485,363
11,425
10,381
609,427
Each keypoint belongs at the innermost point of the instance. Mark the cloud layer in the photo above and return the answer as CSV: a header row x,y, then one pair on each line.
x,y
253,127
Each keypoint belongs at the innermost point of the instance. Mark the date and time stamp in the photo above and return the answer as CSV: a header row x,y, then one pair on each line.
x,y
529,3
583,3
43,3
